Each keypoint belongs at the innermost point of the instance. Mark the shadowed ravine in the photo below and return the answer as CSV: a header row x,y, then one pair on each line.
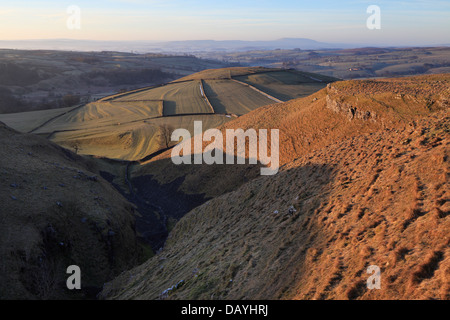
x,y
156,203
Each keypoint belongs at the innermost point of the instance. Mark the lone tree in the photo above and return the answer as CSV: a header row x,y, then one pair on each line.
x,y
76,147
166,134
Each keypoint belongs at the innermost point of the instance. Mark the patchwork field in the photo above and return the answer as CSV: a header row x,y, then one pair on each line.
x,y
27,121
225,73
231,97
179,98
131,141
348,63
285,85
131,125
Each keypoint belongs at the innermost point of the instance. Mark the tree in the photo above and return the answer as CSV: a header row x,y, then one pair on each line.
x,y
166,134
76,147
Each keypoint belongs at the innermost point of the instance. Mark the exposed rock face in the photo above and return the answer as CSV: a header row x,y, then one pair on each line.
x,y
351,111
313,230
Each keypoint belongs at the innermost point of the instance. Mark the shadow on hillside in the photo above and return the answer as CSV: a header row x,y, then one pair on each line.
x,y
160,205
170,107
295,231
266,236
213,97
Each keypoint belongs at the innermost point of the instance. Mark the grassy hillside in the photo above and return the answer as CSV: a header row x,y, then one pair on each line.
x,y
363,182
179,98
27,121
229,97
57,211
285,85
310,123
224,73
128,125
129,141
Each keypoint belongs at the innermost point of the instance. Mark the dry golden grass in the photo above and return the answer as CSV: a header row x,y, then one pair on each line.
x,y
224,73
365,192
307,124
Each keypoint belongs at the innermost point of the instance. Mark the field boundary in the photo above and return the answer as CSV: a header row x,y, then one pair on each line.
x,y
149,100
56,117
49,134
124,94
257,90
161,108
203,92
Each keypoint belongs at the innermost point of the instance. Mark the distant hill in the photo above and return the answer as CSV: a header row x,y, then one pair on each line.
x,y
169,46
354,63
235,45
33,80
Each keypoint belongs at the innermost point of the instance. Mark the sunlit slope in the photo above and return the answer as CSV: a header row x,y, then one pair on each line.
x,y
179,98
225,73
364,181
27,121
128,126
231,97
130,141
312,231
286,85
342,110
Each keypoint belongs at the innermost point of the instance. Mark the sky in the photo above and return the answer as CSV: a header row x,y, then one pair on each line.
x,y
415,22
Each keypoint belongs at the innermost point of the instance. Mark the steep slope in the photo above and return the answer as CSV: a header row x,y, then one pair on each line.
x,y
364,182
55,212
342,110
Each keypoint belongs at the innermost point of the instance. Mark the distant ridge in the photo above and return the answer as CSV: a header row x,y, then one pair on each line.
x,y
188,46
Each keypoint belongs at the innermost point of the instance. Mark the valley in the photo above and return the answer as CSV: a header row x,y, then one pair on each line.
x,y
231,158
363,180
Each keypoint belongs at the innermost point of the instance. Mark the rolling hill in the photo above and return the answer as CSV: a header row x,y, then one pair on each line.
x,y
121,130
57,211
127,126
364,181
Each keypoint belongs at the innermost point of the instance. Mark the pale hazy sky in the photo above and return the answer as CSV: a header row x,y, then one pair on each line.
x,y
415,22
